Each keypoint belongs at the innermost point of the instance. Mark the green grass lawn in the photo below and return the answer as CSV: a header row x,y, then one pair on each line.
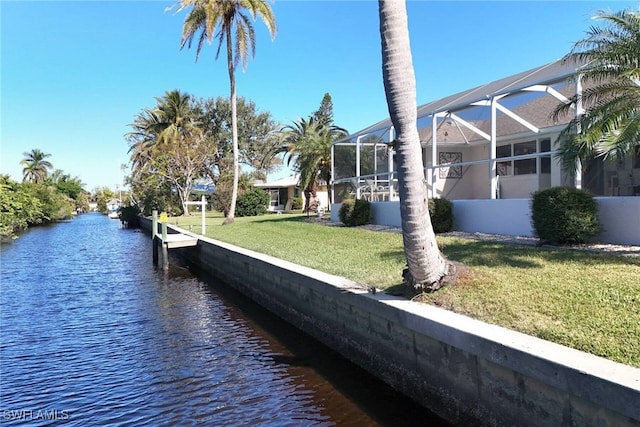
x,y
587,301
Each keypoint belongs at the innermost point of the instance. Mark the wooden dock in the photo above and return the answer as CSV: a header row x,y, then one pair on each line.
x,y
178,240
167,241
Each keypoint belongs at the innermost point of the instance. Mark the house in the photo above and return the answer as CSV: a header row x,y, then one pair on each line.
x,y
282,192
487,149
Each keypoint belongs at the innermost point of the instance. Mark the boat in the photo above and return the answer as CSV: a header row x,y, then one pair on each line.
x,y
114,215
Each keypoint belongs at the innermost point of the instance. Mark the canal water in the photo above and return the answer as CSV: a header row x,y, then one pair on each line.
x,y
92,334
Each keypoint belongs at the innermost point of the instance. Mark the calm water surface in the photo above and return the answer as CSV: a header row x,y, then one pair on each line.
x,y
92,334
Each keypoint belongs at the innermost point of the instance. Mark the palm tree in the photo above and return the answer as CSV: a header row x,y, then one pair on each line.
x,y
142,139
426,265
219,19
36,168
168,141
307,144
610,123
176,118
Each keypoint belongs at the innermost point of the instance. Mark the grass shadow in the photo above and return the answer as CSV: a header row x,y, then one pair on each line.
x,y
494,254
274,218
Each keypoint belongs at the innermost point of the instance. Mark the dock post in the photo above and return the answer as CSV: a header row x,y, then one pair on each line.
x,y
165,250
155,250
154,235
202,208
154,223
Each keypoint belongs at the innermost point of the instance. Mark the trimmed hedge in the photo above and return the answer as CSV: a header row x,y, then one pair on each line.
x,y
564,215
441,214
355,212
252,203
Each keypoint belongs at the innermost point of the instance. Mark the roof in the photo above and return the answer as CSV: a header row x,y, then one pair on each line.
x,y
290,181
516,92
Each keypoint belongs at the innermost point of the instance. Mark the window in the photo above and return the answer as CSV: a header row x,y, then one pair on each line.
x,y
525,166
274,196
545,161
504,168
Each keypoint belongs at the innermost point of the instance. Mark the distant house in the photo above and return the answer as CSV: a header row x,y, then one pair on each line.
x,y
282,192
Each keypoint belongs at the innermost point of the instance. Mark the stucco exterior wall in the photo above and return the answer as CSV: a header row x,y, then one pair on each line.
x,y
619,217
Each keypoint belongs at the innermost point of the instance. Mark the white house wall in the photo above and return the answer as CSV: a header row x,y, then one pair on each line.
x,y
620,220
480,173
501,216
469,185
518,187
619,217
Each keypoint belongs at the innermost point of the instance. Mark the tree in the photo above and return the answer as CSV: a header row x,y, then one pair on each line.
x,y
218,18
176,119
195,137
72,187
168,141
307,143
427,267
610,123
257,136
18,209
324,114
36,168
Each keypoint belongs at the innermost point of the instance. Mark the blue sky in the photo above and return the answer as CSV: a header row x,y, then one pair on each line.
x,y
74,74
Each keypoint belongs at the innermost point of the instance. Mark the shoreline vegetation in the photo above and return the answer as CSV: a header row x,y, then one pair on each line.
x,y
587,301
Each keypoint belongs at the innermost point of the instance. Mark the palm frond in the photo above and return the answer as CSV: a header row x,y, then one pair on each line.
x,y
610,123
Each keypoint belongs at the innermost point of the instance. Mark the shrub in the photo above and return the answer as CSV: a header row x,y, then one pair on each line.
x,y
252,203
296,204
346,210
355,212
564,215
441,214
130,216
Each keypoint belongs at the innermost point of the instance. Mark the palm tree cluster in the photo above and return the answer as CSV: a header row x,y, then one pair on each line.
x,y
609,126
167,142
182,139
307,147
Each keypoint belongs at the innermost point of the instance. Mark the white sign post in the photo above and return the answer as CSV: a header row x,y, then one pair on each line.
x,y
203,204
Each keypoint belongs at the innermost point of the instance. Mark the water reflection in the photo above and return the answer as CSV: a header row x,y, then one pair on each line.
x,y
90,329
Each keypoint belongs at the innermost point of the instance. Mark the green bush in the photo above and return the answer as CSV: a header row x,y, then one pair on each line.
x,y
355,212
441,214
130,216
564,215
252,203
296,204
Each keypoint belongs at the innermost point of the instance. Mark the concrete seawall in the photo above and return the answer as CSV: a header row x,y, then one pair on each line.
x,y
468,372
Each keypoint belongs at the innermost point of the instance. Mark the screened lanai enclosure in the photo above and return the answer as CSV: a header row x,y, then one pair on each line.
x,y
496,141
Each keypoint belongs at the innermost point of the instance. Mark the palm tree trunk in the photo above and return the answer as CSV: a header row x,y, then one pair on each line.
x,y
234,130
426,265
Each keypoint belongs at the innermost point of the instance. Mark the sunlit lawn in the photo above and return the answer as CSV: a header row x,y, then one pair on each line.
x,y
586,301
